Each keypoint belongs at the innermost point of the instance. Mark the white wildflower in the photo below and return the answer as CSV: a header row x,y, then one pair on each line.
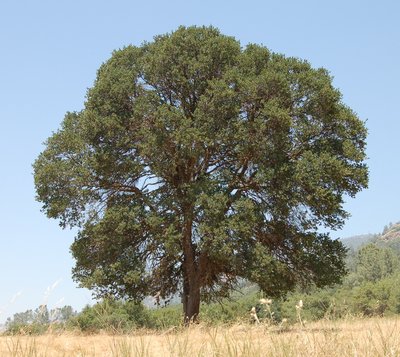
x,y
266,301
253,315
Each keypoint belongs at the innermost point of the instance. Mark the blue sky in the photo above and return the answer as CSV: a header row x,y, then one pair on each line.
x,y
50,51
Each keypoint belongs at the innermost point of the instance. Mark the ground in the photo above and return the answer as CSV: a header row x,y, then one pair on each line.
x,y
349,337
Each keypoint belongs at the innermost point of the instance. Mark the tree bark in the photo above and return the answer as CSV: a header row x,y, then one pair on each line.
x,y
191,278
191,303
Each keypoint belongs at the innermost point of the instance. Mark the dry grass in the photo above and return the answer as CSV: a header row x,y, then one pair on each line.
x,y
368,337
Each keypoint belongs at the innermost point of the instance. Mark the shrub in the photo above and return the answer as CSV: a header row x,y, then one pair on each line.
x,y
112,316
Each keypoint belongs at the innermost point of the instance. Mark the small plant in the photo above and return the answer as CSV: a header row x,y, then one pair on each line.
x,y
253,315
299,308
283,325
267,308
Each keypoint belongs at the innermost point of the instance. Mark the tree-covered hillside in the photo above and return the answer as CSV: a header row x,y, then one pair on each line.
x,y
356,242
391,236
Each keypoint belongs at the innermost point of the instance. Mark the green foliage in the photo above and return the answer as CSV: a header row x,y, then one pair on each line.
x,y
378,298
361,294
371,289
111,316
39,320
230,310
33,328
375,263
165,317
196,162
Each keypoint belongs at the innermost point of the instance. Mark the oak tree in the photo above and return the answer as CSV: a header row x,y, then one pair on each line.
x,y
196,162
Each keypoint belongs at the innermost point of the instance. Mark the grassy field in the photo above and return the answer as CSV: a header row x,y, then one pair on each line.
x,y
352,337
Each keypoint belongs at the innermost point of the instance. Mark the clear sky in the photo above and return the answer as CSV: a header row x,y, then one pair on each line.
x,y
50,51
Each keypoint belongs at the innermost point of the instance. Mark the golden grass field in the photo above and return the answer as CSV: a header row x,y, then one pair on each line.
x,y
351,337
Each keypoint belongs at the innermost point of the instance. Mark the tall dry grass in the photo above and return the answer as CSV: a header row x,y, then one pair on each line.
x,y
358,337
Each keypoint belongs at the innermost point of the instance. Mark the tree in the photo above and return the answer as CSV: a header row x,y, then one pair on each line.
x,y
42,315
62,314
21,318
196,162
375,263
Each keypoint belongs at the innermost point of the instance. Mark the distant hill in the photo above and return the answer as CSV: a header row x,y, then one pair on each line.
x,y
356,242
390,237
391,233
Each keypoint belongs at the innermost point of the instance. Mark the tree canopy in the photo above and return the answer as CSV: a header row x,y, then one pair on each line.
x,y
196,162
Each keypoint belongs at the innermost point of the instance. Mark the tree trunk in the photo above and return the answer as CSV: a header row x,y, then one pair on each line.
x,y
191,302
191,278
